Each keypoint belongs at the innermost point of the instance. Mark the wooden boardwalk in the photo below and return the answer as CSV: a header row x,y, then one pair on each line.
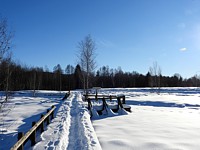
x,y
121,102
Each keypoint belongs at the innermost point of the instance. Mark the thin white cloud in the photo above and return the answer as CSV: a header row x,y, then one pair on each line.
x,y
190,36
181,25
191,11
105,43
179,40
183,49
195,36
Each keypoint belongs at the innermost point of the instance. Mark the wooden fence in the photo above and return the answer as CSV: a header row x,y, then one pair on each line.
x,y
31,134
121,103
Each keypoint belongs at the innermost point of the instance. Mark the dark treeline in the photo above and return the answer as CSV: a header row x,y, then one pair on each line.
x,y
17,77
106,77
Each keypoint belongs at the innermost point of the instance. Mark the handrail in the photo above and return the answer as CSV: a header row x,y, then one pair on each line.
x,y
102,96
32,130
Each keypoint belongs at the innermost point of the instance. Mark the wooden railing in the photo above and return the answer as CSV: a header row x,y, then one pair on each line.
x,y
121,103
31,134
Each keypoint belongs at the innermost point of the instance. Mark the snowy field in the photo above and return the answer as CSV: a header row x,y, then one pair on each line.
x,y
169,120
21,110
166,121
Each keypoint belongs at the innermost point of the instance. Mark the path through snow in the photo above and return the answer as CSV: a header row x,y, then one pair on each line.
x,y
77,139
71,128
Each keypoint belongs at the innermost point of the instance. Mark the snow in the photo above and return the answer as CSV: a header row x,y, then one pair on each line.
x,y
157,121
21,110
70,129
56,135
166,120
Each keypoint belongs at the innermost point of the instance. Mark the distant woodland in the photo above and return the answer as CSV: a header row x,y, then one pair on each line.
x,y
17,77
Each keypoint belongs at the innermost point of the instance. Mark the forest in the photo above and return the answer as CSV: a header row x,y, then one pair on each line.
x,y
17,77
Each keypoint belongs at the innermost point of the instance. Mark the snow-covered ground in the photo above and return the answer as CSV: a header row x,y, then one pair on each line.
x,y
70,129
168,120
21,110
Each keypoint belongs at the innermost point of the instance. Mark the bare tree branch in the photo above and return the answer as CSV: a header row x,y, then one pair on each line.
x,y
5,38
87,58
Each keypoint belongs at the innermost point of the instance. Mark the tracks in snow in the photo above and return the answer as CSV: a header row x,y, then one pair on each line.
x,y
77,138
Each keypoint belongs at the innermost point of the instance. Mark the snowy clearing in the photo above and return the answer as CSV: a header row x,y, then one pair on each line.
x,y
168,120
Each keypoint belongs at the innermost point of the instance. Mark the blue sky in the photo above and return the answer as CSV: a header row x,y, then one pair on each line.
x,y
129,33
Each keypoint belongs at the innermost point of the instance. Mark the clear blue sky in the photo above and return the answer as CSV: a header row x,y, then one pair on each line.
x,y
129,33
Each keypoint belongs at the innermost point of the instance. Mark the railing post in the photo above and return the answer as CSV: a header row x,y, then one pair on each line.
x,y
52,114
96,98
123,102
119,102
33,135
20,135
89,104
48,118
42,125
104,103
90,107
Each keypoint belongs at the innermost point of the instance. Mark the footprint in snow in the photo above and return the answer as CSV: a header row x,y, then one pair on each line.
x,y
50,146
56,143
55,132
50,143
93,142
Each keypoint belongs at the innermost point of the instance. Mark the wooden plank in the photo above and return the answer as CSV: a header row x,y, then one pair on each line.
x,y
93,96
32,130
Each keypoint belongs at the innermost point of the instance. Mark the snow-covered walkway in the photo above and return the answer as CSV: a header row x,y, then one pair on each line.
x,y
77,139
71,128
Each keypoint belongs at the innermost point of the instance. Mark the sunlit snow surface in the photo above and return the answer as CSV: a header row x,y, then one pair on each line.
x,y
168,120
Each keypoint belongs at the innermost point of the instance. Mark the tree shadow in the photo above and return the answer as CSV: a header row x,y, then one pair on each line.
x,y
160,104
11,138
150,103
109,113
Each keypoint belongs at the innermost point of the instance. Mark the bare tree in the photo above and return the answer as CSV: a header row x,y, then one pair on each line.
x,y
155,74
86,55
69,70
5,38
5,45
35,79
58,77
5,61
7,77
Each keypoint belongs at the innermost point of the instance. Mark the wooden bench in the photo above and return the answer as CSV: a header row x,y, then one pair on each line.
x,y
120,99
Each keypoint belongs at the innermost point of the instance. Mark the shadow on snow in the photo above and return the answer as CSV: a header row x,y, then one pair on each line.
x,y
159,104
11,138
